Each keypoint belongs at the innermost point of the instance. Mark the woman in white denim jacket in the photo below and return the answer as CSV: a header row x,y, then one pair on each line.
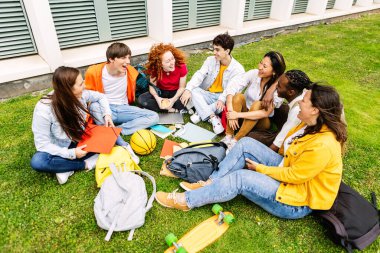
x,y
248,108
59,121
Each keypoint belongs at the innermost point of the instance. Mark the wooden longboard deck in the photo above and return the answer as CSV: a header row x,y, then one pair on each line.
x,y
202,235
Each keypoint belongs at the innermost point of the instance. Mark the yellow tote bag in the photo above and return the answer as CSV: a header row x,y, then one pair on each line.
x,y
119,156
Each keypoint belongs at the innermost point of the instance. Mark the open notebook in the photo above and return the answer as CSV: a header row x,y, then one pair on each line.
x,y
170,118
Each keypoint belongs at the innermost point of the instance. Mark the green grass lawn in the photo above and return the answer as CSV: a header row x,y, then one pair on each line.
x,y
38,215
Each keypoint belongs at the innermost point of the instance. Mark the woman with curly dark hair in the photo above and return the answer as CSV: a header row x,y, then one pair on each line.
x,y
167,69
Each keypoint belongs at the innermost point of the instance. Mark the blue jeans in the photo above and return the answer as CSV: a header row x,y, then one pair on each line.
x,y
204,102
130,118
45,162
232,179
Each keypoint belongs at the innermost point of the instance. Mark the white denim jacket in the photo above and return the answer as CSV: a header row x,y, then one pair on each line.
x,y
207,74
49,136
250,81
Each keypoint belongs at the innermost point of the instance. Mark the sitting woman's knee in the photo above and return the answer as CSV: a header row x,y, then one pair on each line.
x,y
238,98
38,161
255,106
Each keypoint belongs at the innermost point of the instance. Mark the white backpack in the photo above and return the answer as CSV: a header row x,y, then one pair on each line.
x,y
122,201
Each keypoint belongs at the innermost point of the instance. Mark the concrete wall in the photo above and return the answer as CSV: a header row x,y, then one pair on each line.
x,y
31,73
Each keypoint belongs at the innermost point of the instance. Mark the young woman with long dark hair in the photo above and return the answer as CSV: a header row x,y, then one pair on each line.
x,y
248,107
59,121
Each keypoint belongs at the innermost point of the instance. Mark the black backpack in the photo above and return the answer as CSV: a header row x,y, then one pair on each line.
x,y
352,221
195,162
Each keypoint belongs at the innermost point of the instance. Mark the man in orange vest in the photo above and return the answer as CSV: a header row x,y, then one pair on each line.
x,y
116,78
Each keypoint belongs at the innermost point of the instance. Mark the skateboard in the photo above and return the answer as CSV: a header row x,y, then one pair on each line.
x,y
202,235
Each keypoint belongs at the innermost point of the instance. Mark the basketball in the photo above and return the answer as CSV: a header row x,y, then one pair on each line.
x,y
143,142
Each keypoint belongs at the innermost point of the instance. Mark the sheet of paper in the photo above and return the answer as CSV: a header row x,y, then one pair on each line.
x,y
194,133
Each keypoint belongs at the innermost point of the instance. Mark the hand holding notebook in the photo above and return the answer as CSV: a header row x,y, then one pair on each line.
x,y
99,139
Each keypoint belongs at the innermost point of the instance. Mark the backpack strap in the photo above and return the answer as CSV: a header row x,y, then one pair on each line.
x,y
217,144
116,174
149,205
338,226
368,238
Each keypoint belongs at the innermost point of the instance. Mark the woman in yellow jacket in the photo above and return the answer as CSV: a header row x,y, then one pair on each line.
x,y
304,176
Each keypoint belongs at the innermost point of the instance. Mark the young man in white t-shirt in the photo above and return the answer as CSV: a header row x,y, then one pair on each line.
x,y
292,86
116,78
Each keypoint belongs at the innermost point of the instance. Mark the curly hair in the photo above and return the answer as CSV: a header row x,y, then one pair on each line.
x,y
298,80
154,65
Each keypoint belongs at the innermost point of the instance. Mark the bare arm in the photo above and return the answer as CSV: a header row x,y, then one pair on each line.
x,y
154,93
181,89
268,97
253,115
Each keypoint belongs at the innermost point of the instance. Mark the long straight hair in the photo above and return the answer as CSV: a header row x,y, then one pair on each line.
x,y
326,99
66,106
278,65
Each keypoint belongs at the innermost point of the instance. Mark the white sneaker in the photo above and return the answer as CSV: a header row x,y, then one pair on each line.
x,y
195,118
227,139
63,177
133,155
216,125
91,162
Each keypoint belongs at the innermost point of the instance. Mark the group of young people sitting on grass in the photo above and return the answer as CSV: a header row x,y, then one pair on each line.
x,y
288,170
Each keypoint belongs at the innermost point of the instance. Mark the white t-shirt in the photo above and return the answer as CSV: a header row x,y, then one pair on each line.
x,y
291,121
287,142
115,88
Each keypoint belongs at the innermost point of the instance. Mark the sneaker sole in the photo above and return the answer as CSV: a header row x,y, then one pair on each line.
x,y
162,204
184,187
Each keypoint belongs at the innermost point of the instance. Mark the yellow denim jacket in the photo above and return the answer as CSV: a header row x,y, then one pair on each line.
x,y
312,170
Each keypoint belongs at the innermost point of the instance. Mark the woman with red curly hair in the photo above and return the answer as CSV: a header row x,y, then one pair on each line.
x,y
167,69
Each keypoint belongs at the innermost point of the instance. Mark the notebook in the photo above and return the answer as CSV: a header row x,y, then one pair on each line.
x,y
168,148
161,131
100,139
170,118
193,133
